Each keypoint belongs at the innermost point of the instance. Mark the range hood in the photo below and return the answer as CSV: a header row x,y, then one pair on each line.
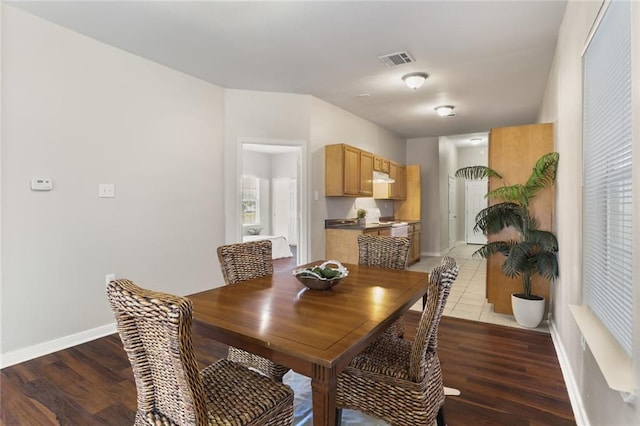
x,y
380,177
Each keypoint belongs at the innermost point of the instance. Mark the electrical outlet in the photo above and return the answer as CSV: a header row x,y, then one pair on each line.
x,y
106,190
109,277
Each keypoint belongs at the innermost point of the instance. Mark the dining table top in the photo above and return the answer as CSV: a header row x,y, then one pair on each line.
x,y
316,333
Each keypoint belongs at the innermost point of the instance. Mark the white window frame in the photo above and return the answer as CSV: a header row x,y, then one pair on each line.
x,y
618,365
256,199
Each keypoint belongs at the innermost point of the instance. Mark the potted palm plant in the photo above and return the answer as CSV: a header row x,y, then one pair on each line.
x,y
534,251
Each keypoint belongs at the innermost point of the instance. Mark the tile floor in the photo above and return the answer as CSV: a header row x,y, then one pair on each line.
x,y
467,298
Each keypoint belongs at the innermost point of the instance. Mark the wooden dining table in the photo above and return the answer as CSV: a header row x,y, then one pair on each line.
x,y
315,333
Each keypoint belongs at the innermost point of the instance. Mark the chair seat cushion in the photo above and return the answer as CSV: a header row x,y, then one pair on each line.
x,y
388,355
239,396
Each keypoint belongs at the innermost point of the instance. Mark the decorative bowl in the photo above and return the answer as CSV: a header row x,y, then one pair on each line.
x,y
315,279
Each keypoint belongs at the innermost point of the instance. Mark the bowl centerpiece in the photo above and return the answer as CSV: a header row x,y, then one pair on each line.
x,y
323,276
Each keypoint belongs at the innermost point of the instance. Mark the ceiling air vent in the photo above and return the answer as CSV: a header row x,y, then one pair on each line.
x,y
395,59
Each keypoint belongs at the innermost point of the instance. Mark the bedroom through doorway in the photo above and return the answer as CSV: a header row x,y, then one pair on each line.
x,y
270,194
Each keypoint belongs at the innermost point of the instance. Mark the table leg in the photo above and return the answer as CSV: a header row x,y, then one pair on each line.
x,y
323,391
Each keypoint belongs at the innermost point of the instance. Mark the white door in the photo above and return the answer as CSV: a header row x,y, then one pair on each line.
x,y
452,212
475,201
281,207
293,212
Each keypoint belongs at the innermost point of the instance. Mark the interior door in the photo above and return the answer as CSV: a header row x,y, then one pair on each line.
x,y
281,207
293,212
452,212
475,201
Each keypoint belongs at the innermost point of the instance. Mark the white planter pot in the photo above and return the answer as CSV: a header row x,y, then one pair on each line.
x,y
528,312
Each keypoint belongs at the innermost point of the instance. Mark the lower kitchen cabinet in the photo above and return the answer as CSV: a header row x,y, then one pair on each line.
x,y
414,235
342,244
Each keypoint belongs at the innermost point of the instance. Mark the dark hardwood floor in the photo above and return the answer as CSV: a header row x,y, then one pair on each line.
x,y
507,376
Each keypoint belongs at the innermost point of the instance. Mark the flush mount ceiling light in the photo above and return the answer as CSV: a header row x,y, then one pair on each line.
x,y
476,141
415,79
444,110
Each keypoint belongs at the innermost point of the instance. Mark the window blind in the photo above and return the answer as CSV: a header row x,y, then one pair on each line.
x,y
607,191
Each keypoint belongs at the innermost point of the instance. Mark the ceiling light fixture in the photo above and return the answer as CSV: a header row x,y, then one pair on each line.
x,y
444,110
476,141
415,79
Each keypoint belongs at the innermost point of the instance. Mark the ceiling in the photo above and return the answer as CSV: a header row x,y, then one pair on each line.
x,y
489,59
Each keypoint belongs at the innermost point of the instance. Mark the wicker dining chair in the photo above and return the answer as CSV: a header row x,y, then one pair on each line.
x,y
449,263
385,252
240,262
397,380
155,329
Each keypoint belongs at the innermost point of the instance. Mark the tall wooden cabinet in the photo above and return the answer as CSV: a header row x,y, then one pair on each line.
x,y
410,208
513,152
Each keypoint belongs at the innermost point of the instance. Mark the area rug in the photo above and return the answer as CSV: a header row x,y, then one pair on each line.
x,y
303,415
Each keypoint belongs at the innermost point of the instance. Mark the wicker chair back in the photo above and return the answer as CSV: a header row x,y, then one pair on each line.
x,y
243,261
383,251
155,329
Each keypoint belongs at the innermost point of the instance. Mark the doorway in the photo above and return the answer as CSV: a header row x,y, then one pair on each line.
x,y
475,201
278,164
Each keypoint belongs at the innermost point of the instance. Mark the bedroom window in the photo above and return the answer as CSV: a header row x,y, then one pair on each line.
x,y
250,200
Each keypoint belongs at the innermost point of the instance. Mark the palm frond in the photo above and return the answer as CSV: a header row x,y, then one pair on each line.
x,y
519,260
547,265
476,173
493,219
494,247
515,193
544,172
545,239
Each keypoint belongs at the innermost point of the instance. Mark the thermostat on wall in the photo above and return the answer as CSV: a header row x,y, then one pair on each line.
x,y
41,184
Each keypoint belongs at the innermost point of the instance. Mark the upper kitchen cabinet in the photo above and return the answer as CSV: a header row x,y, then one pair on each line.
x,y
380,164
366,174
396,190
348,171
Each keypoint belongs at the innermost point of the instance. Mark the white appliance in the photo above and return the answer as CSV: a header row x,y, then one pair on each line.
x,y
400,229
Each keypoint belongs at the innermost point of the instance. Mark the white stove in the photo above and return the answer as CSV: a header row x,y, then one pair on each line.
x,y
400,229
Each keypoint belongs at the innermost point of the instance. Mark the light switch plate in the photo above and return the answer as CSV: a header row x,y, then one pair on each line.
x,y
106,190
41,184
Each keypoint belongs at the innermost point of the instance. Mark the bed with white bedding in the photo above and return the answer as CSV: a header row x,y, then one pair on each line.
x,y
279,244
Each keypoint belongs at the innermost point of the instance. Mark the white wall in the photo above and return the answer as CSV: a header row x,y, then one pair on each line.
x,y
597,404
425,152
472,156
84,113
329,125
284,165
259,117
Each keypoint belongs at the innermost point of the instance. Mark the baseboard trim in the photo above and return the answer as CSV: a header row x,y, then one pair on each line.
x,y
26,354
569,379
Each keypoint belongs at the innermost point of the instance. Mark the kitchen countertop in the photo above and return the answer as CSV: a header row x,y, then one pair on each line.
x,y
352,223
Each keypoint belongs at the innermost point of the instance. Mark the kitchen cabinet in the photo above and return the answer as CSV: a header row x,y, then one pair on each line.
x,y
380,164
414,233
409,208
396,190
348,171
366,174
342,244
513,151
